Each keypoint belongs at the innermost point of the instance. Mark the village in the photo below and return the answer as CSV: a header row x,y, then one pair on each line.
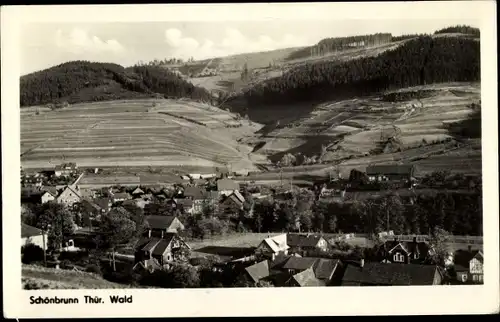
x,y
134,234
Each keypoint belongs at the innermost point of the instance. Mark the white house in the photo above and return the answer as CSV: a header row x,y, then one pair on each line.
x,y
47,196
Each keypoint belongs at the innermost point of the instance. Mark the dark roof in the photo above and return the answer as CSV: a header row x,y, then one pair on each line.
x,y
232,198
163,244
463,257
159,222
406,169
103,203
300,263
29,231
227,184
324,268
279,261
258,271
390,274
302,240
194,192
50,189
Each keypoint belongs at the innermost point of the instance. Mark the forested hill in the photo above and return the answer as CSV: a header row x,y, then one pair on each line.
x,y
420,61
84,81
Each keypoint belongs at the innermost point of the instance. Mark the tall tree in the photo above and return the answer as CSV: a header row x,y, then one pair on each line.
x,y
116,229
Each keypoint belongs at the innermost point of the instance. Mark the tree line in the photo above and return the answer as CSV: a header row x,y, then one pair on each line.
x,y
463,29
328,45
420,61
66,82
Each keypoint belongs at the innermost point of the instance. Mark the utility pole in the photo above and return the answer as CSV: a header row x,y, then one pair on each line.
x,y
44,233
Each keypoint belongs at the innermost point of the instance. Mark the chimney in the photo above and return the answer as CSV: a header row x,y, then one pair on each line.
x,y
162,234
469,248
362,263
149,233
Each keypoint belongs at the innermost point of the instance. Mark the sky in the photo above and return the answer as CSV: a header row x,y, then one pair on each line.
x,y
46,44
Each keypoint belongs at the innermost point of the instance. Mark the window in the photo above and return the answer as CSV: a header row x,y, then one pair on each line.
x,y
398,258
464,278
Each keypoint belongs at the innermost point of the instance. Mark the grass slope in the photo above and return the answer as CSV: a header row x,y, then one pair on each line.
x,y
50,278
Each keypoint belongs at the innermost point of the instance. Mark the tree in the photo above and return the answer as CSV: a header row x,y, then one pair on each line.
x,y
57,220
439,250
183,276
116,229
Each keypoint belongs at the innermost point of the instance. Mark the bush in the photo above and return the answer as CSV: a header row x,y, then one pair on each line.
x,y
93,268
66,264
31,253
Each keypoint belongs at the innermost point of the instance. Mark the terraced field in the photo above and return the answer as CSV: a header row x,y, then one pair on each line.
x,y
132,133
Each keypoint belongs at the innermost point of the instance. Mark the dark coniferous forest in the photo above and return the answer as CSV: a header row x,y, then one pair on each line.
x,y
83,81
420,61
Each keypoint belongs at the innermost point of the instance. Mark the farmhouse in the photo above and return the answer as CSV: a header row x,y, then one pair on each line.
x,y
300,243
227,187
404,252
184,205
157,226
32,235
69,196
391,172
164,250
373,274
257,271
469,266
65,169
272,247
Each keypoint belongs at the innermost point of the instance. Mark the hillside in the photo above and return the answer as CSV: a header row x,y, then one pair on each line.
x,y
38,277
158,132
437,127
83,81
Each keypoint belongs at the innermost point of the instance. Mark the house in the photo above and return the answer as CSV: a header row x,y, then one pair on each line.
x,y
469,266
380,274
157,226
121,196
306,242
272,247
33,235
391,172
184,205
232,203
137,193
164,250
65,169
69,196
404,252
194,193
227,186
47,196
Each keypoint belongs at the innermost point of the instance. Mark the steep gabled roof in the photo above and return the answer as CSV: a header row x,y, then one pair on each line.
x,y
325,268
159,222
307,278
390,274
302,240
300,263
258,270
29,231
137,191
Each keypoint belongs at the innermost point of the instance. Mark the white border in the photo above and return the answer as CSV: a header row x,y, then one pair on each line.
x,y
253,302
